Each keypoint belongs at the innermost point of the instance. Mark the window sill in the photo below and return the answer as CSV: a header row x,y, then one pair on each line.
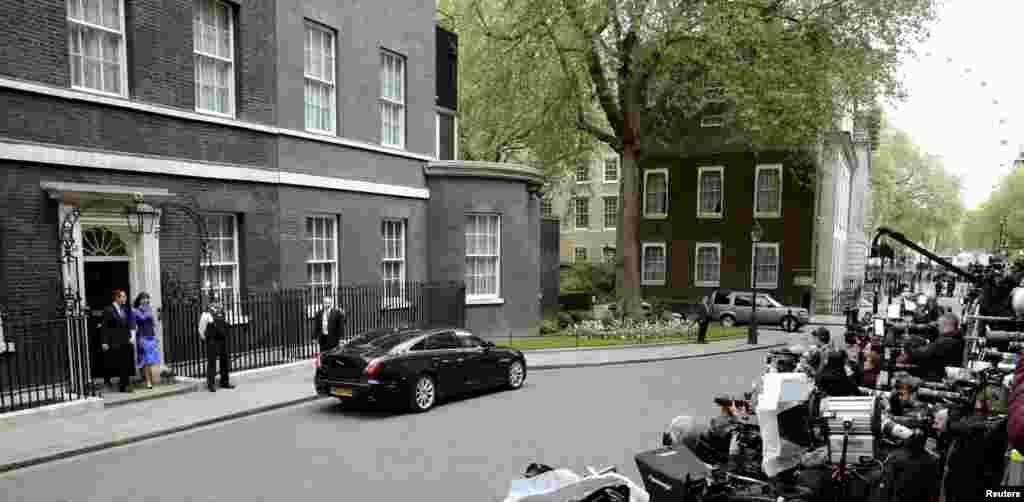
x,y
491,300
709,216
707,284
395,304
606,229
99,92
766,286
399,148
215,113
653,216
320,132
652,283
767,215
609,182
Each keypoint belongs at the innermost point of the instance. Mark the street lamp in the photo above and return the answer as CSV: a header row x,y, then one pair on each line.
x,y
755,236
141,217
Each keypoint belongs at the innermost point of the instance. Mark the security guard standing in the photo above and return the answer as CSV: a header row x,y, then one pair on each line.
x,y
213,329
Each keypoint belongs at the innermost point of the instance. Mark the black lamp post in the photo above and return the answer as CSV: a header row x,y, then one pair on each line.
x,y
755,236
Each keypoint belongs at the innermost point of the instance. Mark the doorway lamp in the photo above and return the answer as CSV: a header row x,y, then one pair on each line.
x,y
142,218
756,233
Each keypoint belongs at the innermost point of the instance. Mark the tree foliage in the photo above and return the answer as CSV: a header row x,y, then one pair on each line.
x,y
637,74
914,194
982,226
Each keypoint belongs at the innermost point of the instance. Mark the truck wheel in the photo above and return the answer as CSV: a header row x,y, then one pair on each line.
x,y
728,321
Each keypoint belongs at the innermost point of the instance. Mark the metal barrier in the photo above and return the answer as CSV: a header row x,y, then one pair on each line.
x,y
43,361
273,328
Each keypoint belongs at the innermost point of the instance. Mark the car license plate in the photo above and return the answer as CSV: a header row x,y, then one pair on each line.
x,y
342,392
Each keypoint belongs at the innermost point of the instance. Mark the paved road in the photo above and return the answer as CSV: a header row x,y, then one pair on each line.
x,y
464,450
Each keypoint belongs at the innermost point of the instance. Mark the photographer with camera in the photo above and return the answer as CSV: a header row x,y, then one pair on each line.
x,y
947,350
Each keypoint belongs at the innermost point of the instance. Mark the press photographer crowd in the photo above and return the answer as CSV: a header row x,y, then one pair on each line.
x,y
916,404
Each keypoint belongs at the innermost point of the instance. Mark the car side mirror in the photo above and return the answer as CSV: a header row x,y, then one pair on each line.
x,y
488,344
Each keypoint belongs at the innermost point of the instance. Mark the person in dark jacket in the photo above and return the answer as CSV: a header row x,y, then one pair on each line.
x,y
705,318
1015,413
947,350
328,325
833,380
118,340
213,329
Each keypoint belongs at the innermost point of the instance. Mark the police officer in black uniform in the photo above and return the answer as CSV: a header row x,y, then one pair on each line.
x,y
213,329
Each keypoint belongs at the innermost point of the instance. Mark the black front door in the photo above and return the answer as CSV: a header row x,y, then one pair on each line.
x,y
101,279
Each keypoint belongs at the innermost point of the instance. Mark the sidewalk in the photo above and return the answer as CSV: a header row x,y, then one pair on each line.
x,y
46,440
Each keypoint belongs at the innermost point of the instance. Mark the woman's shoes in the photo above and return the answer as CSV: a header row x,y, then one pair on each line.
x,y
149,386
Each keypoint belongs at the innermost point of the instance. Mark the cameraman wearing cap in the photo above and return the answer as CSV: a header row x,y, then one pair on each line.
x,y
947,350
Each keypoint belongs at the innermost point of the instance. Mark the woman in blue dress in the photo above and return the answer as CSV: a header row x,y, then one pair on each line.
x,y
147,356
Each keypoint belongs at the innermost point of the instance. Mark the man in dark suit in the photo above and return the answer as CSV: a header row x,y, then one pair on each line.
x,y
328,325
213,330
118,353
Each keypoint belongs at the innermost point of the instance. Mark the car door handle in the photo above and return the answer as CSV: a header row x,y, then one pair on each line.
x,y
459,360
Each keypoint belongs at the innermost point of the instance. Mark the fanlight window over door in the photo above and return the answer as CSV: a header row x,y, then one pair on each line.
x,y
101,241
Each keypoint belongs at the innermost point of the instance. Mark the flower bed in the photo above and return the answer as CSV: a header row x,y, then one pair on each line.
x,y
633,329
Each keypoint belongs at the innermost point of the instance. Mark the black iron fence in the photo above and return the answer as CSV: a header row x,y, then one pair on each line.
x,y
273,328
43,361
845,298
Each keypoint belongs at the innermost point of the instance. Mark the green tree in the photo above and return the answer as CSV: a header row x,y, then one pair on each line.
x,y
634,73
983,225
914,194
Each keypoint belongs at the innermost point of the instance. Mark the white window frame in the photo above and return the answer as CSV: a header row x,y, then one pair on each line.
x,y
644,281
233,308
709,121
318,80
576,212
389,101
700,192
576,255
311,240
757,183
647,211
604,254
496,294
614,179
197,54
122,50
582,167
399,301
604,207
697,280
437,134
714,92
753,265
546,203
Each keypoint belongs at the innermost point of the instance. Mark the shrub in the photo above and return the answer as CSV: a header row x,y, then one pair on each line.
x,y
549,327
564,320
630,328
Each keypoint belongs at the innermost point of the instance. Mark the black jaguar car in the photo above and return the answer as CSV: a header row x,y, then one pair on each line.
x,y
415,368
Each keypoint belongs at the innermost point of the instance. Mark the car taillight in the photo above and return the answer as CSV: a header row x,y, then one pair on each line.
x,y
371,369
316,360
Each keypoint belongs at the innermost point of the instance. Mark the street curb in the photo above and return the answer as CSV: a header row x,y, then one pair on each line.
x,y
652,360
609,347
13,466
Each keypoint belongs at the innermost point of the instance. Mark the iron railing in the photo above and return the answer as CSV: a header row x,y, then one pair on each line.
x,y
43,361
268,329
845,298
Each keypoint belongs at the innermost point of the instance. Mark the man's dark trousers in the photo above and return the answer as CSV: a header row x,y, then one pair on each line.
x,y
702,332
217,350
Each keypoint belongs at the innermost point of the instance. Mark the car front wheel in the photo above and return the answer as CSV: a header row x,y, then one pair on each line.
x,y
788,324
516,375
728,321
423,394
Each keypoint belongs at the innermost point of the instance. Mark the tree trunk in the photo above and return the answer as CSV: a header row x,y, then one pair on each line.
x,y
627,237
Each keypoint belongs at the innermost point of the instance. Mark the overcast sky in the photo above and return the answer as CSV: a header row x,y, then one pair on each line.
x,y
975,60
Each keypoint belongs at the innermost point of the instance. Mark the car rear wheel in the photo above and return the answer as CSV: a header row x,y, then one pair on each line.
x,y
423,394
788,324
728,321
516,375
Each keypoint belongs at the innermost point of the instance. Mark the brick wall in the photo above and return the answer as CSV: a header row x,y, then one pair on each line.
x,y
33,41
47,119
255,51
160,60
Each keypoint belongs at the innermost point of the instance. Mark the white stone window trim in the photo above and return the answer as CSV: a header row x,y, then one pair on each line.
x,y
233,313
644,281
700,192
604,254
547,208
604,207
487,298
757,183
389,101
400,301
333,73
231,50
697,280
753,265
618,170
647,211
583,167
122,50
208,118
331,219
576,212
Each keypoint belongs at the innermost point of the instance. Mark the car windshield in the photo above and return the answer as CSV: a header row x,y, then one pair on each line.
x,y
382,338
